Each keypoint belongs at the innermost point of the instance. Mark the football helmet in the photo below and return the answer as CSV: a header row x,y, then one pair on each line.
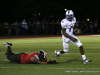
x,y
42,55
69,15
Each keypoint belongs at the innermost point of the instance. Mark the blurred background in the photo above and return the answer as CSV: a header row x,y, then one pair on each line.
x,y
43,17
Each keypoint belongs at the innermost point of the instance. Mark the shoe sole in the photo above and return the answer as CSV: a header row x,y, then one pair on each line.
x,y
88,62
56,55
10,44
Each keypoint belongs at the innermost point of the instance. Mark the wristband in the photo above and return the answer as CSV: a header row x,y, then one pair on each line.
x,y
71,37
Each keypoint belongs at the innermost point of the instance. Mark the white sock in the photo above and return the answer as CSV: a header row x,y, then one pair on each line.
x,y
84,57
58,53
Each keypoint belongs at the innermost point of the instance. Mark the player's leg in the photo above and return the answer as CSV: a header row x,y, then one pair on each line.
x,y
79,44
16,57
85,61
64,50
65,47
9,51
10,55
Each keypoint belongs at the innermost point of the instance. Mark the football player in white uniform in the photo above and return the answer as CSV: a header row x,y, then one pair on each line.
x,y
67,25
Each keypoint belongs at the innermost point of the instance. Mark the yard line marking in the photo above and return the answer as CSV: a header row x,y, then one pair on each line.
x,y
17,52
47,68
4,60
50,44
74,68
54,53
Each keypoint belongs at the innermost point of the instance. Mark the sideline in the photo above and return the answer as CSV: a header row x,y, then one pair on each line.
x,y
39,36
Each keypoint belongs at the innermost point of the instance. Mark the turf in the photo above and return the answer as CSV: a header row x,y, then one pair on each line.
x,y
68,64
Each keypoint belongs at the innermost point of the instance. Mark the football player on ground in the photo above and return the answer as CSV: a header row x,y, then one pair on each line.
x,y
67,25
24,58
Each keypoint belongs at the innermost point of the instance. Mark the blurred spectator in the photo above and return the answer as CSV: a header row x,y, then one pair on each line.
x,y
95,27
44,27
20,27
84,24
12,28
15,28
87,28
1,29
80,24
24,27
6,27
30,27
15,23
52,27
38,28
34,27
77,23
9,30
58,27
91,26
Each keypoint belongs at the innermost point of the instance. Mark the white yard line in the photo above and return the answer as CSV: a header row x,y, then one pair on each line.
x,y
54,53
48,68
74,68
50,44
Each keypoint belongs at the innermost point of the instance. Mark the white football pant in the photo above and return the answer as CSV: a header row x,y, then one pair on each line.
x,y
66,43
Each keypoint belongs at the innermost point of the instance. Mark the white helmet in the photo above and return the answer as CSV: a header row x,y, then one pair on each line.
x,y
69,15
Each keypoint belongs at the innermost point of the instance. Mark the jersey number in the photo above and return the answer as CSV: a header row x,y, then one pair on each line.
x,y
70,28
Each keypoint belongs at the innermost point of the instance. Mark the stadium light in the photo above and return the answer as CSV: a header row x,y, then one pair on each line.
x,y
39,14
87,19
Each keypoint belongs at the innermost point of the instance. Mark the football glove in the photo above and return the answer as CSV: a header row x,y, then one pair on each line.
x,y
52,62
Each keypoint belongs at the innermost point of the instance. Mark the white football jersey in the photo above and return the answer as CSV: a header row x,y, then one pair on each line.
x,y
68,25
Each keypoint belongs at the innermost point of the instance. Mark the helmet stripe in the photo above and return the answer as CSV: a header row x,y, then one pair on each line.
x,y
44,53
68,11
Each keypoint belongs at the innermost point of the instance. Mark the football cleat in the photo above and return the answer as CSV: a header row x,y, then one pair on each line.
x,y
57,56
8,44
86,61
6,53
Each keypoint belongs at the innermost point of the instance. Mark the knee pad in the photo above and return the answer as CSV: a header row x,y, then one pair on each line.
x,y
65,47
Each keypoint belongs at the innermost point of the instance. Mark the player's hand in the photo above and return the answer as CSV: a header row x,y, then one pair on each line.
x,y
74,40
52,62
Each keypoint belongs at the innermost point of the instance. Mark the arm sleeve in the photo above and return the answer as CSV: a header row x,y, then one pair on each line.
x,y
36,59
74,20
63,24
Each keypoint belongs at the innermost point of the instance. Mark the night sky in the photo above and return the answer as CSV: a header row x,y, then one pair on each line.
x,y
12,10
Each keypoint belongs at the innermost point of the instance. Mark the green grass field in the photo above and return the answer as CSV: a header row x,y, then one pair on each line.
x,y
68,64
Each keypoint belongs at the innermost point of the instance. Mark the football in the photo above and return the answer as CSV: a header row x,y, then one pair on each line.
x,y
77,31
